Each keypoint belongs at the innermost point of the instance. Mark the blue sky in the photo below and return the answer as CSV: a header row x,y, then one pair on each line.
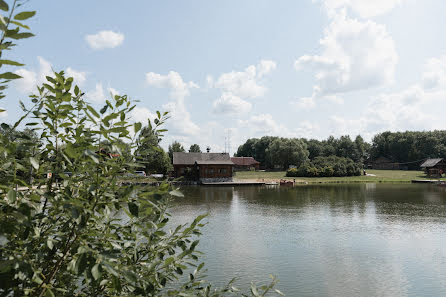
x,y
308,68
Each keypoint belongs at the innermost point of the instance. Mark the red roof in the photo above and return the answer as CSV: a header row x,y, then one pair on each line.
x,y
244,161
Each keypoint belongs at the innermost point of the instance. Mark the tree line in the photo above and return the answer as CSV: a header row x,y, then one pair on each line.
x,y
408,148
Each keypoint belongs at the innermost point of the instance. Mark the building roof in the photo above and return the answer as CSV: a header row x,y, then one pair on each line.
x,y
180,158
244,161
431,162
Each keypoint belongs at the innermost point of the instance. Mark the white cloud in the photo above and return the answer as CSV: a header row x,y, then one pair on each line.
x,y
231,104
78,76
263,124
434,74
31,79
356,55
142,114
97,95
365,8
181,122
304,103
409,109
306,129
113,92
104,39
173,81
245,84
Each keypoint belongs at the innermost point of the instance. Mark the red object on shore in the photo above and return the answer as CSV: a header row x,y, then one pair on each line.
x,y
284,182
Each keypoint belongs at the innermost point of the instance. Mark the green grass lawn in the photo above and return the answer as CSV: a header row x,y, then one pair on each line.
x,y
381,176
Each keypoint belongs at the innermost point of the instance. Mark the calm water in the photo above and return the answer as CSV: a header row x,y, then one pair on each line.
x,y
330,240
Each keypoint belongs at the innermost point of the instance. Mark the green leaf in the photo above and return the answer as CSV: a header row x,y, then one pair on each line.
x,y
95,271
254,290
81,264
20,25
137,126
12,196
9,62
133,208
93,111
176,193
34,163
24,15
49,243
49,293
3,5
21,35
9,75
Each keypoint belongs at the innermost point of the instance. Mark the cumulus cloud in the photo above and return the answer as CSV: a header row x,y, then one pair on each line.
x,y
304,103
434,74
356,55
78,76
182,124
31,79
104,39
173,81
408,109
228,103
263,124
244,84
142,114
97,95
364,8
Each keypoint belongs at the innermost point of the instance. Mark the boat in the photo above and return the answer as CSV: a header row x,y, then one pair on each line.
x,y
284,182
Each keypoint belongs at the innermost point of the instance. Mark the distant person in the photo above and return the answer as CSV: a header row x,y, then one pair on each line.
x,y
363,170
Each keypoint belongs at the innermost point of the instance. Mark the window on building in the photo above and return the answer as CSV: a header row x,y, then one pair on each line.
x,y
210,170
223,170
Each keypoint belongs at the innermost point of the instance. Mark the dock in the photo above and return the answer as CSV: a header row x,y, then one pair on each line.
x,y
425,181
234,183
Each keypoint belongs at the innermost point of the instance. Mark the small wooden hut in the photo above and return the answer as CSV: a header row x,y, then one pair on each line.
x,y
434,167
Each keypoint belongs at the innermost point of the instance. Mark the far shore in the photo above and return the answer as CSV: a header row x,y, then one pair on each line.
x,y
374,176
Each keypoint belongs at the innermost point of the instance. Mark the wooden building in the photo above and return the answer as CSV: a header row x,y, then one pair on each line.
x,y
203,166
434,167
245,163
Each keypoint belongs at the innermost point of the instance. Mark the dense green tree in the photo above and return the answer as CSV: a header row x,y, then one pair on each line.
x,y
284,152
409,148
150,154
194,148
174,148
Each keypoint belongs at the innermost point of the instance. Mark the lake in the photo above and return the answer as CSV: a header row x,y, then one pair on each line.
x,y
324,240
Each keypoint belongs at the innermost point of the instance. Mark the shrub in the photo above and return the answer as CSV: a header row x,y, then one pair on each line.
x,y
292,172
326,167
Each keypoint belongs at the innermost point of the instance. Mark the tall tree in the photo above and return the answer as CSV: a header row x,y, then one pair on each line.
x,y
150,154
285,152
174,148
194,148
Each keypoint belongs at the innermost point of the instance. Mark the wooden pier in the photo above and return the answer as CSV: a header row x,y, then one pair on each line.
x,y
425,181
235,183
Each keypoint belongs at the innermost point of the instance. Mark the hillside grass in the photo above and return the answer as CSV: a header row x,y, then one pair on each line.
x,y
381,176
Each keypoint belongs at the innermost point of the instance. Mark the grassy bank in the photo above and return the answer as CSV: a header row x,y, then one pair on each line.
x,y
380,176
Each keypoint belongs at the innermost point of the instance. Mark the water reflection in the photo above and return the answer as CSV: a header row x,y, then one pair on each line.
x,y
325,240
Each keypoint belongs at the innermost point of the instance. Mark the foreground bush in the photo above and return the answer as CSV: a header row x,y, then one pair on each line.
x,y
326,167
85,234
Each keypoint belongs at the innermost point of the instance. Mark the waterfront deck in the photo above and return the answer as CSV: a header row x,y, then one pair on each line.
x,y
235,183
425,181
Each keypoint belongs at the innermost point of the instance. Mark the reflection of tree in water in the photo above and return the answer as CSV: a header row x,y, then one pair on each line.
x,y
410,202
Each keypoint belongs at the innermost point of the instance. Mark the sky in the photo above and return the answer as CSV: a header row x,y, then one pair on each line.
x,y
231,70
